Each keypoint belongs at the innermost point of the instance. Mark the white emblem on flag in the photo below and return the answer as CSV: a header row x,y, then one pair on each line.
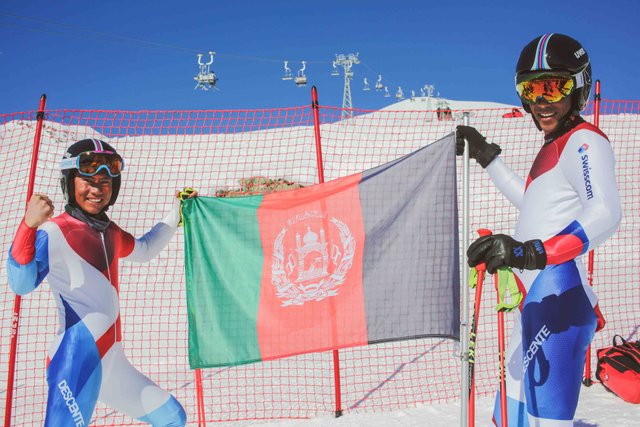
x,y
312,266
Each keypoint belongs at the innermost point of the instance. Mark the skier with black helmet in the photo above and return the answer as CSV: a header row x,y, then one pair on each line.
x,y
78,251
569,204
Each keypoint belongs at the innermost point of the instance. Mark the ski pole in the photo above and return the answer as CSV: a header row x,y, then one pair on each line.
x,y
504,420
479,279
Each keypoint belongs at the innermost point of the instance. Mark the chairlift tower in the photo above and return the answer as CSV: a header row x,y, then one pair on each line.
x,y
346,62
429,91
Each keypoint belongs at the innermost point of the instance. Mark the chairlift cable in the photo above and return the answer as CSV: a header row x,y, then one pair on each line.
x,y
99,33
131,41
123,39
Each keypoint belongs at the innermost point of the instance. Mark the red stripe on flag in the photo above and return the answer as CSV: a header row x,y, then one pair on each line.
x,y
311,291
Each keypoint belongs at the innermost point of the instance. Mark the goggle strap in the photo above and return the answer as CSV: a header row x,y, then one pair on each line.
x,y
579,79
70,163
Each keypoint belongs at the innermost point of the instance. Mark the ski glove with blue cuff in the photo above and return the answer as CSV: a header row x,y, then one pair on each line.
x,y
500,250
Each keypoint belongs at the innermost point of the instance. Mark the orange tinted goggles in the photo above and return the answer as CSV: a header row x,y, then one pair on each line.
x,y
550,88
91,162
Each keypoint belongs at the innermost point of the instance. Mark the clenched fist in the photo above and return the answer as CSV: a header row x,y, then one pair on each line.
x,y
39,210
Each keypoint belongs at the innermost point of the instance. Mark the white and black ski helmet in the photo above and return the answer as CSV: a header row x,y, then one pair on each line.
x,y
67,175
557,53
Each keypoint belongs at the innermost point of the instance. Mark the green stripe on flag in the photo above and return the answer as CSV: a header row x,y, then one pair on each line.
x,y
223,272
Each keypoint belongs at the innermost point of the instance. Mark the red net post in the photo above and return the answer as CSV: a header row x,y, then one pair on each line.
x,y
202,418
316,131
316,127
15,318
587,381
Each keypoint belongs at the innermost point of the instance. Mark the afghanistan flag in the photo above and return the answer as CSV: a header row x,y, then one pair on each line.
x,y
362,259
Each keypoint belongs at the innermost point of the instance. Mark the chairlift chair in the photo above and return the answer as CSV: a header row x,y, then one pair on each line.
x,y
287,72
301,79
399,93
379,86
206,79
386,92
335,69
366,85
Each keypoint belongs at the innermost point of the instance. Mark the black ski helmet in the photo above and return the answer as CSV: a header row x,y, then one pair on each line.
x,y
557,53
67,175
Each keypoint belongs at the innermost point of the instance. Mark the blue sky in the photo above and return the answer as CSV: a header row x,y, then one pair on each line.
x,y
138,55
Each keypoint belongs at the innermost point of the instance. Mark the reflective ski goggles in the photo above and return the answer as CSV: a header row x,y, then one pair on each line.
x,y
551,88
90,163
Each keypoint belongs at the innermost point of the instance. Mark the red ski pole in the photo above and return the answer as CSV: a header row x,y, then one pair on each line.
x,y
481,268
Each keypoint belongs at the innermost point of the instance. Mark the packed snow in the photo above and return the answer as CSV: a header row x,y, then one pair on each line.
x,y
597,407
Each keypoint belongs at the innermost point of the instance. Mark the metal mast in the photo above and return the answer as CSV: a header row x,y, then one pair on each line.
x,y
347,61
429,91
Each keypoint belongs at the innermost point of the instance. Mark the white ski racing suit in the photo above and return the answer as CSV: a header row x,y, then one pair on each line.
x,y
570,201
87,362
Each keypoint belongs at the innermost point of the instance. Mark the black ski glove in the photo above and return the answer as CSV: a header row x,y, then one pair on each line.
x,y
500,250
479,148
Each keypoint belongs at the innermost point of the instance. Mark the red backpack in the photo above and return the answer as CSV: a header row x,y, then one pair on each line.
x,y
619,369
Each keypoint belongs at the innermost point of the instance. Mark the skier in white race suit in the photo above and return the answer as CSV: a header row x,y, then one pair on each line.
x,y
569,204
78,251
